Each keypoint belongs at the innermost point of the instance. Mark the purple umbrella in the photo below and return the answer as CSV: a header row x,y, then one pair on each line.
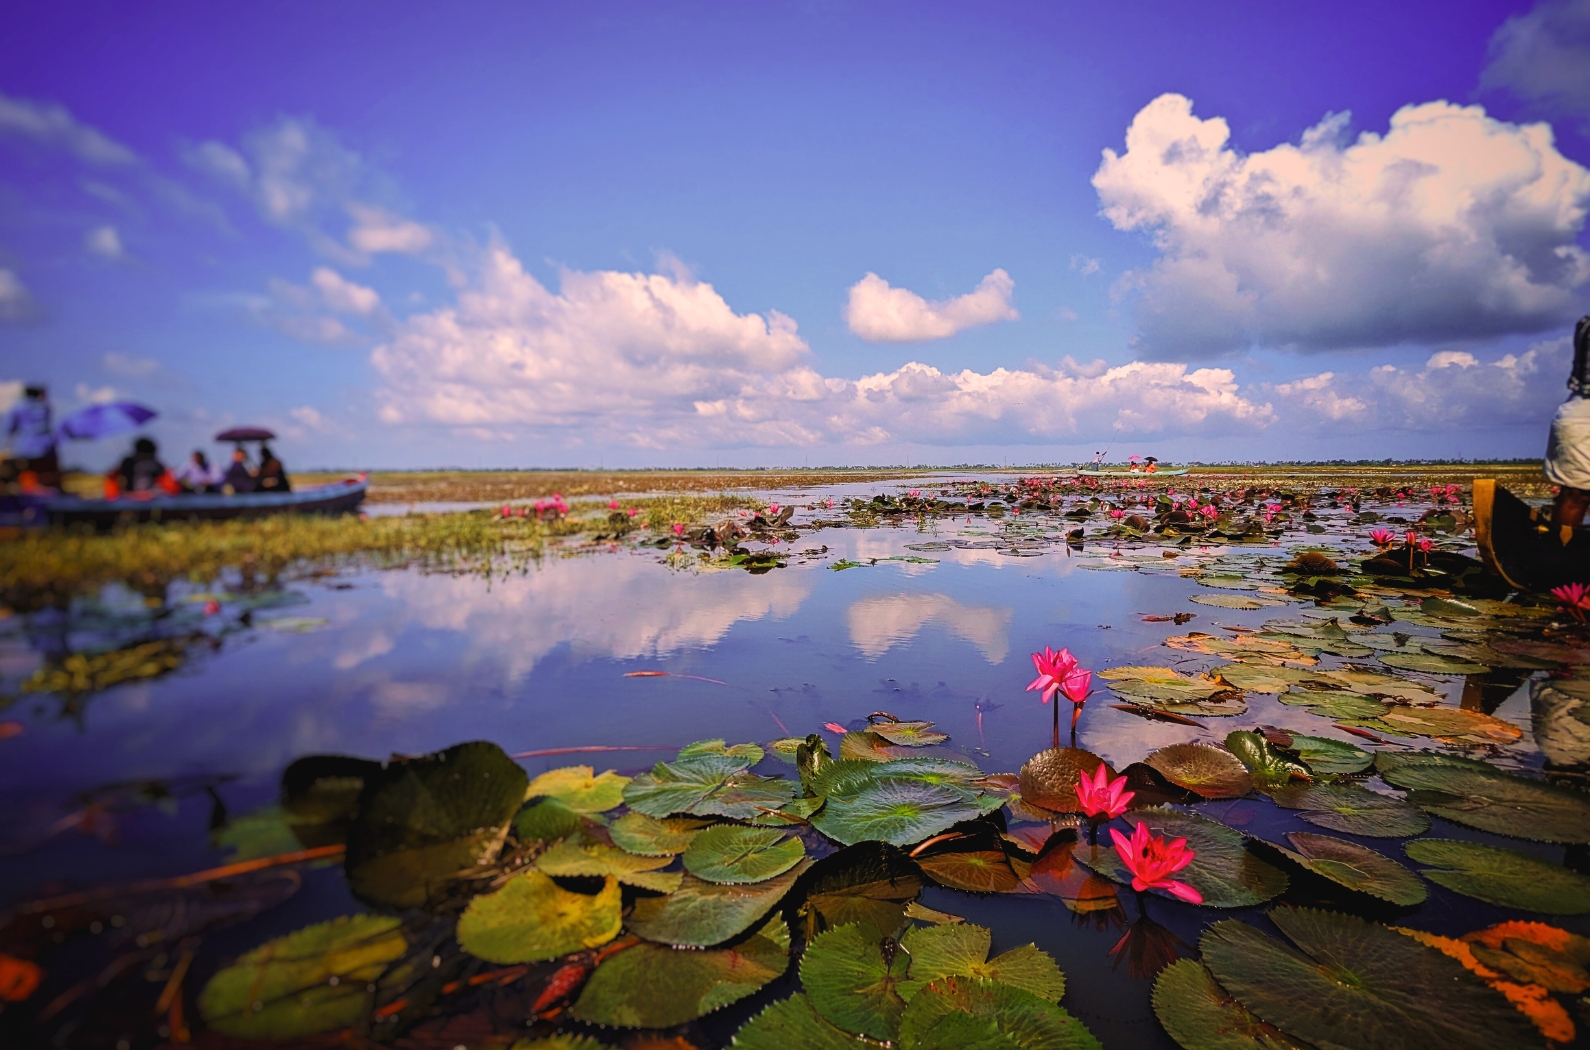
x,y
97,421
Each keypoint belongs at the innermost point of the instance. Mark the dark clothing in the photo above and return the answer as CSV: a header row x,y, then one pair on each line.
x,y
273,477
140,472
1579,381
238,477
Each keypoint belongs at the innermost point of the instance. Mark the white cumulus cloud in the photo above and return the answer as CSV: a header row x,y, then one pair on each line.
x,y
1543,55
378,230
16,302
1451,225
104,242
341,294
880,313
54,125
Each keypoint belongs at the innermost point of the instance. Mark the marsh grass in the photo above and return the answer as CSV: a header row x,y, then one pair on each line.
x,y
64,562
494,486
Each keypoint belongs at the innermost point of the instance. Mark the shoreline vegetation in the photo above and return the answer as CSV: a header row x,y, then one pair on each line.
x,y
47,566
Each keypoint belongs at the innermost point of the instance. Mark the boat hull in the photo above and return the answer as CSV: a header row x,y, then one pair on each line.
x,y
1173,472
1518,543
339,497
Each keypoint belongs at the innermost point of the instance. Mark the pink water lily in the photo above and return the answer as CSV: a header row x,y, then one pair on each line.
x,y
1052,669
1383,537
612,504
1102,797
772,508
1152,861
1574,599
1209,511
679,530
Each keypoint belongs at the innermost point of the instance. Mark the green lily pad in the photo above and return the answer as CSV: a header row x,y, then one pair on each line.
x,y
962,950
1324,755
785,748
700,914
560,1041
751,753
852,974
1359,868
1373,683
973,870
1353,810
791,1024
1202,768
315,979
263,833
729,853
1222,869
1481,796
899,812
650,837
531,918
1201,1015
1431,663
1502,876
1354,983
870,882
320,796
909,734
1266,764
963,1031
1260,678
1029,1020
1161,683
577,855
545,821
652,986
422,820
1331,704
674,787
1445,722
579,788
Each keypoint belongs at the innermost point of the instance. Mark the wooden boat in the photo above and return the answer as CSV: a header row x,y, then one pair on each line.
x,y
1518,542
339,497
1162,472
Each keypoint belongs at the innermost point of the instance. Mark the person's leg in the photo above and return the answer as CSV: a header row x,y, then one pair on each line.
x,y
1570,506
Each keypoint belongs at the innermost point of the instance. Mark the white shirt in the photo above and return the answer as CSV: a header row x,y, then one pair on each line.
x,y
195,476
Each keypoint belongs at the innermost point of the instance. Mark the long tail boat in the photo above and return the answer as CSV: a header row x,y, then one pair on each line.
x,y
338,497
1162,472
1518,542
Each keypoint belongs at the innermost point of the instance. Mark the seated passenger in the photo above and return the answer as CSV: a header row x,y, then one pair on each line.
x,y
272,475
196,475
238,477
142,471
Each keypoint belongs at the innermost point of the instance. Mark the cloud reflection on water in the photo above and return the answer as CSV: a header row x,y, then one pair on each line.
x,y
879,623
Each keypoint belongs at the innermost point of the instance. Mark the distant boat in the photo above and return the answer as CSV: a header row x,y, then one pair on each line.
x,y
1518,542
1167,472
336,498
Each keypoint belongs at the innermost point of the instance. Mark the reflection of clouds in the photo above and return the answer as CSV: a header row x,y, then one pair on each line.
x,y
378,644
611,607
405,698
880,623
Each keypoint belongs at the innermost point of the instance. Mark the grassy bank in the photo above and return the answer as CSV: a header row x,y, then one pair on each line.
x,y
63,562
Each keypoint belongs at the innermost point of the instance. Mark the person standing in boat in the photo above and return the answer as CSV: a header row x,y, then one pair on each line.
x,y
1568,448
32,442
272,475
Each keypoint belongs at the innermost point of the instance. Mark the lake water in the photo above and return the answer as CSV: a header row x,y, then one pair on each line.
x,y
374,663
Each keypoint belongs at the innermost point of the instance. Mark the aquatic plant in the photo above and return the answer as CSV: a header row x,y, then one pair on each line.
x,y
1152,861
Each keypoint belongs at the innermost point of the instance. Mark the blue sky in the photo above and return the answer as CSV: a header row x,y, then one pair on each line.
x,y
688,234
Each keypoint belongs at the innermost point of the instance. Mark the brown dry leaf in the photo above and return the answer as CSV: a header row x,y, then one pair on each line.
x,y
1536,953
1532,1000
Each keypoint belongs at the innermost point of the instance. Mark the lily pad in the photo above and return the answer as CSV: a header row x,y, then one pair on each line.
x,y
1267,765
1481,796
320,796
1201,1015
1432,664
579,788
896,802
1161,683
1373,683
531,918
1029,1020
962,950
650,837
1339,705
751,753
1535,953
853,975
1444,722
1232,601
577,855
1502,876
1049,778
545,821
422,820
728,853
700,914
652,986
1324,755
870,882
791,1024
973,870
1222,869
1353,810
1248,648
674,787
1359,868
1260,678
1202,768
315,979
909,734
1354,983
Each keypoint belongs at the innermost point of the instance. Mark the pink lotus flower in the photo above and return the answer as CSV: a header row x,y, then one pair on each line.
x,y
1102,797
1425,544
507,511
1453,491
634,511
1575,599
1382,537
1411,537
1074,687
612,504
914,493
1117,514
679,530
1209,511
212,607
1152,861
1052,669
772,508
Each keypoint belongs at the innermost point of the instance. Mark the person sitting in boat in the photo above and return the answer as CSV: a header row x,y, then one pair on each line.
x,y
142,472
197,475
272,475
1149,465
1568,448
31,439
239,477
